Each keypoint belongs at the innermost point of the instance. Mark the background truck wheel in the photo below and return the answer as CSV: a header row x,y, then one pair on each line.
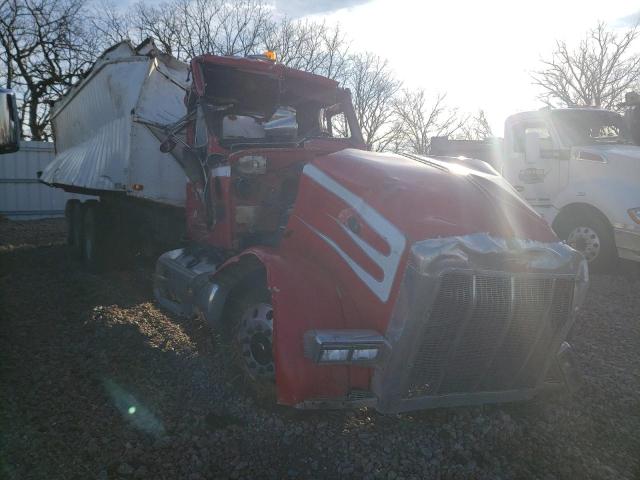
x,y
591,236
73,215
95,238
250,337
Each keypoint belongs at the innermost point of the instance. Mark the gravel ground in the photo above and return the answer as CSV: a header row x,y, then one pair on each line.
x,y
96,382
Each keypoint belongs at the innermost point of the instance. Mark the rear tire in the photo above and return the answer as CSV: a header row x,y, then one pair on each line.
x,y
68,208
95,238
592,237
73,213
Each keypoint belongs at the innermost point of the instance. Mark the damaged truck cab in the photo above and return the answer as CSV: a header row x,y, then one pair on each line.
x,y
340,276
346,277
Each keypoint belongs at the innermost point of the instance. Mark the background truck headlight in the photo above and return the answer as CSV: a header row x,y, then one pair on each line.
x,y
634,213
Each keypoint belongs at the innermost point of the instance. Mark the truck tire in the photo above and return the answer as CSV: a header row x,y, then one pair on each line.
x,y
95,242
68,207
591,236
73,214
250,335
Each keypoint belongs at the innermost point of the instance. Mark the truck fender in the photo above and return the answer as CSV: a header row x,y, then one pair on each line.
x,y
610,196
572,209
303,297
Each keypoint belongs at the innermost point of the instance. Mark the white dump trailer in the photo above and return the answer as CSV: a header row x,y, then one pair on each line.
x,y
102,127
105,146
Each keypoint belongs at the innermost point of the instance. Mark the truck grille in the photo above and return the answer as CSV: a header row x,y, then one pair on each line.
x,y
488,333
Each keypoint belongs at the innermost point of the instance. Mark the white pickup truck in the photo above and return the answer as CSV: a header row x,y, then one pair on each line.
x,y
579,168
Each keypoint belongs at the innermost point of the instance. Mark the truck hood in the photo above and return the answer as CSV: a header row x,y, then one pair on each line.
x,y
428,198
625,158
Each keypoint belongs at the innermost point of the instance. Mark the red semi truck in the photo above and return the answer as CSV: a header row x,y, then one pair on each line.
x,y
342,276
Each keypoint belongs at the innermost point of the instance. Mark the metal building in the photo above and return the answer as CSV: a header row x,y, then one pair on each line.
x,y
22,197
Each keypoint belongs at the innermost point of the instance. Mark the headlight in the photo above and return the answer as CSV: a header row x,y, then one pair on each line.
x,y
365,355
358,347
331,355
634,213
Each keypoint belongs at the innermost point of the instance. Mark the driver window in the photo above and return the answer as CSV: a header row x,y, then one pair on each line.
x,y
339,126
604,131
334,124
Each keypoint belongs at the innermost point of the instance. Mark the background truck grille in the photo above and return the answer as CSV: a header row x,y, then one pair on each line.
x,y
489,333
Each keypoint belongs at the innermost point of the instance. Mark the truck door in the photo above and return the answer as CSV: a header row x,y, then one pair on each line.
x,y
533,165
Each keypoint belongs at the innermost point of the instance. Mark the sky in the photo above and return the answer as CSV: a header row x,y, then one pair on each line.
x,y
480,53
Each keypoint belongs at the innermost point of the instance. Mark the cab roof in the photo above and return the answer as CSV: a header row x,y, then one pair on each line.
x,y
254,85
260,67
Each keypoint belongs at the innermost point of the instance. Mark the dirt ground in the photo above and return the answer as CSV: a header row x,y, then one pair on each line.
x,y
97,382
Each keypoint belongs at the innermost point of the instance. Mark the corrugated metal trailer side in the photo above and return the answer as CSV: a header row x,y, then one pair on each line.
x,y
22,197
102,127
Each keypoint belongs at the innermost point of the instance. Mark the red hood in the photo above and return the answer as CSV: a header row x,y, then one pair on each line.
x,y
435,198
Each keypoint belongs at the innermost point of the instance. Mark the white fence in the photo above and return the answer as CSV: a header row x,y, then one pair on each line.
x,y
22,197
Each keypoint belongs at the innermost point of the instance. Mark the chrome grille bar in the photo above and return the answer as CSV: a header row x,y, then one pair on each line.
x,y
488,332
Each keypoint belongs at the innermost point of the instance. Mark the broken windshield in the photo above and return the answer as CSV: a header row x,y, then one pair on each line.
x,y
247,101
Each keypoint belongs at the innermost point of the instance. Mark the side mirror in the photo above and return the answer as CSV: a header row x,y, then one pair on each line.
x,y
9,123
532,147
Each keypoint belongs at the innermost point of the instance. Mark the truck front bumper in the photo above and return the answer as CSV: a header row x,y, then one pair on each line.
x,y
477,320
627,243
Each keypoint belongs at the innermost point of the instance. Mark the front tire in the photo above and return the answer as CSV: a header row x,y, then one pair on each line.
x,y
251,339
592,237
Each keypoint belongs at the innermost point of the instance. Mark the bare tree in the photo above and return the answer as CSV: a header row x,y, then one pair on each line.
x,y
310,46
188,28
46,49
597,72
373,89
110,24
163,22
48,44
417,120
475,127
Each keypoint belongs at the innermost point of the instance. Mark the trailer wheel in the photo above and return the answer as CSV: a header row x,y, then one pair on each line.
x,y
251,339
68,207
73,216
94,238
592,237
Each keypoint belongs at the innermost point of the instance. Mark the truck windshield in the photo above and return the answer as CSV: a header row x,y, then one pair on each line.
x,y
246,101
590,127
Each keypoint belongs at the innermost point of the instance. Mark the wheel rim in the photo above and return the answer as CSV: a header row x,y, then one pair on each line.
x,y
586,241
255,337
